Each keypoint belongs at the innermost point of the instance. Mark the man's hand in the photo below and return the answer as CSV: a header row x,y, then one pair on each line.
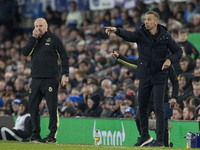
x,y
36,33
172,102
114,54
64,80
166,64
110,30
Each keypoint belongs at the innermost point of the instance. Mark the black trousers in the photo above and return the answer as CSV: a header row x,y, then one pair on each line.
x,y
8,134
47,88
144,92
166,131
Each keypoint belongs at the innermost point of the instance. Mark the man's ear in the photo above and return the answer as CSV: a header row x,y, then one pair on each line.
x,y
157,21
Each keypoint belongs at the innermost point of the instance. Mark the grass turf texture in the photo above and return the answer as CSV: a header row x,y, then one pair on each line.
x,y
13,145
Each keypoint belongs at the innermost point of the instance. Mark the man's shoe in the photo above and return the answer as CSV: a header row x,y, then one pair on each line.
x,y
143,141
156,143
49,140
33,139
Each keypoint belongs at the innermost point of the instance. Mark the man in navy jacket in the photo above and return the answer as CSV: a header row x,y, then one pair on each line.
x,y
154,45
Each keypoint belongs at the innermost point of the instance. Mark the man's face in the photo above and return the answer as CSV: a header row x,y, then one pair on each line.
x,y
150,21
183,37
182,82
176,115
197,72
196,90
184,65
41,26
186,115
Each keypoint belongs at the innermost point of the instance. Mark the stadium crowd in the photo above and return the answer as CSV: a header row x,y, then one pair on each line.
x,y
100,86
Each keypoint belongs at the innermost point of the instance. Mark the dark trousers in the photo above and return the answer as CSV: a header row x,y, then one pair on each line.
x,y
8,134
166,131
47,88
144,92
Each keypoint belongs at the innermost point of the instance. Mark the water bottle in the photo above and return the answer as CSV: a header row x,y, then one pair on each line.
x,y
189,138
96,138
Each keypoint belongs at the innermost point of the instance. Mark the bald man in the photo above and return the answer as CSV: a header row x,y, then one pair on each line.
x,y
45,49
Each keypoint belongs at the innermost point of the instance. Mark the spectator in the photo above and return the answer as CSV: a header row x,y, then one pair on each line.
x,y
190,12
118,101
180,17
129,98
106,112
164,11
62,95
108,92
193,101
74,17
93,109
49,16
186,65
15,106
177,114
129,113
117,18
19,86
7,11
188,47
106,83
195,23
107,19
92,81
196,89
185,87
22,128
69,111
189,113
174,34
115,75
127,81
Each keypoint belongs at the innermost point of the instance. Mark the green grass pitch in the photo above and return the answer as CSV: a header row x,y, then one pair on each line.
x,y
13,145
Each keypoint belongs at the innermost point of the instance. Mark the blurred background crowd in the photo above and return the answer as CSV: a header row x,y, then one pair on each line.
x,y
99,86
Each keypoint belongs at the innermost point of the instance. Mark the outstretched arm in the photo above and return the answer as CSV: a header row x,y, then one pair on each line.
x,y
124,34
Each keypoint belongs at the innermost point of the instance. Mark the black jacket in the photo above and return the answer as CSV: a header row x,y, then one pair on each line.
x,y
190,48
171,74
45,52
153,51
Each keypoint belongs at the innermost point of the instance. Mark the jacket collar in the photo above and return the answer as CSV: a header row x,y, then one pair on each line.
x,y
46,34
